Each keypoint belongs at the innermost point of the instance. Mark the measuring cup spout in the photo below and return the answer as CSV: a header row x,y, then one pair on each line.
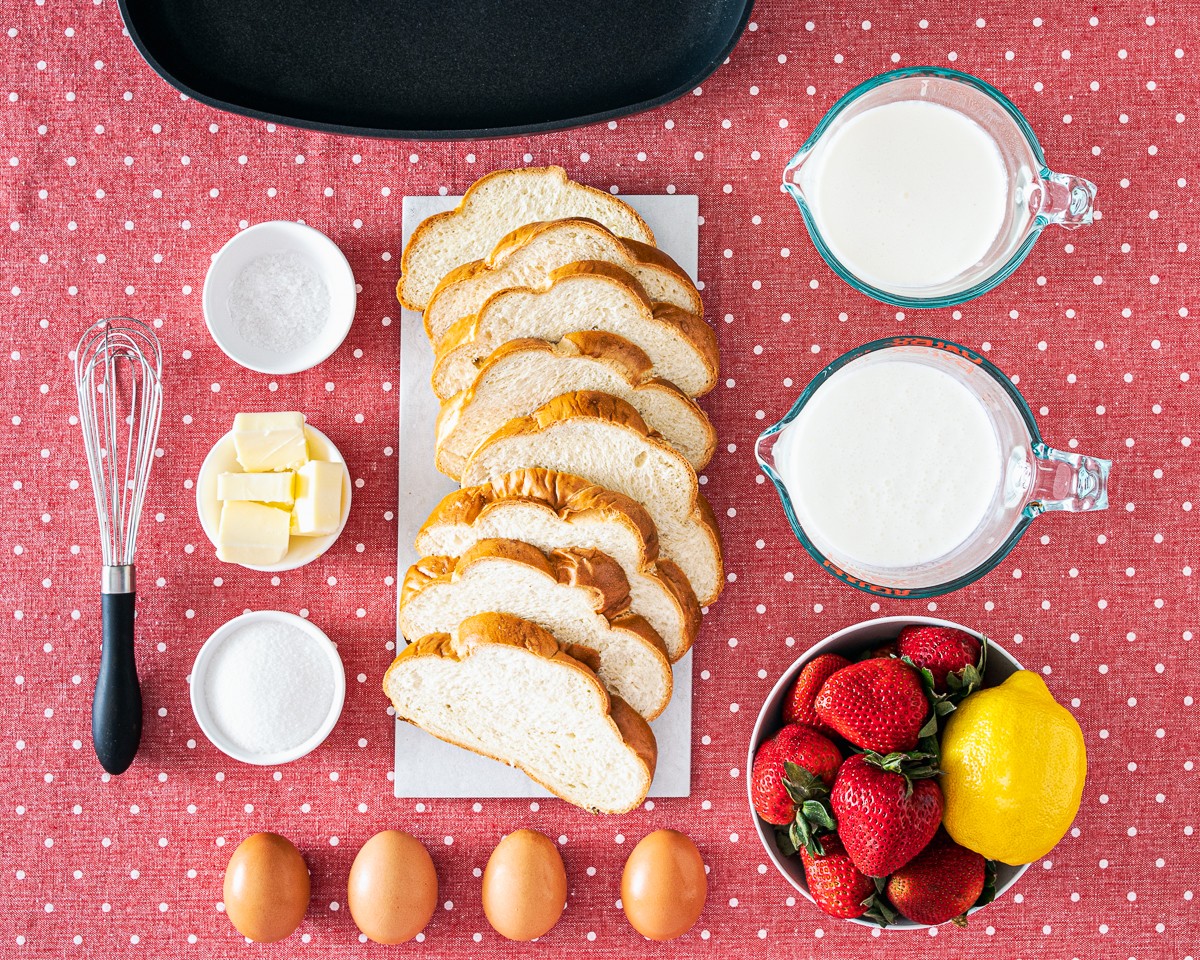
x,y
1067,201
790,184
764,448
793,189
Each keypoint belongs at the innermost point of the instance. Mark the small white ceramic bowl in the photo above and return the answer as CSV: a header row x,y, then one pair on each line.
x,y
850,642
222,458
200,704
278,236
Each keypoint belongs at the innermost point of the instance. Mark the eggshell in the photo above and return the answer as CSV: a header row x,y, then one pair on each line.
x,y
266,888
664,885
393,887
524,886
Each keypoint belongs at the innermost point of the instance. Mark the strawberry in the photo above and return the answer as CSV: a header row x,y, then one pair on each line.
x,y
813,751
953,658
942,883
776,790
876,704
836,884
789,783
884,818
887,650
771,799
798,704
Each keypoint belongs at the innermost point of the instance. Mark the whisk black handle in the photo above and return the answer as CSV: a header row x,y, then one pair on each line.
x,y
117,704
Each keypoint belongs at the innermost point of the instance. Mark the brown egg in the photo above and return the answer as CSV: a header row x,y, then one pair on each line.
x,y
524,886
266,888
393,887
664,885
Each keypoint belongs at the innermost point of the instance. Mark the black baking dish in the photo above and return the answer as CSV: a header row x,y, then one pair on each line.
x,y
435,69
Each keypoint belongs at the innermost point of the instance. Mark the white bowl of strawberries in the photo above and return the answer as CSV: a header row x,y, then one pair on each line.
x,y
843,781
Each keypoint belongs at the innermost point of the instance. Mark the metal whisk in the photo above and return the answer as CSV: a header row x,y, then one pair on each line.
x,y
118,371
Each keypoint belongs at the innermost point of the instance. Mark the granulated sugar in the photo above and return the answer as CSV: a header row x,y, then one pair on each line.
x,y
279,302
269,687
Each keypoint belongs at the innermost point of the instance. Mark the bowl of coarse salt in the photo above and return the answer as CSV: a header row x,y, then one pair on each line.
x,y
279,297
267,687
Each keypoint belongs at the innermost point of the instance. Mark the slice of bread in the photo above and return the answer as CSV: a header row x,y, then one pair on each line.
x,y
494,205
525,258
587,295
505,688
522,375
602,439
554,511
581,596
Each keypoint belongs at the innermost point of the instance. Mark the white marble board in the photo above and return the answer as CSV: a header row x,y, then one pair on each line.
x,y
424,765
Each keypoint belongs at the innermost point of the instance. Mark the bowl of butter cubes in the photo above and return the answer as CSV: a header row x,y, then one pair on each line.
x,y
274,493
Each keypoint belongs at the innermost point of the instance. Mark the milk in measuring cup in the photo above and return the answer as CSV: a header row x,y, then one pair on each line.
x,y
908,194
891,463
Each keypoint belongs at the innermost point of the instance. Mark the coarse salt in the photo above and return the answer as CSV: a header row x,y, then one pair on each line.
x,y
269,687
279,302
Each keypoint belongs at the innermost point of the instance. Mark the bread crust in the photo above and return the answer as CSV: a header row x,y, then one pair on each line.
x,y
635,251
498,628
590,570
593,268
598,345
505,629
572,500
627,363
592,404
594,573
468,331
698,332
636,731
569,497
685,597
632,253
566,185
638,251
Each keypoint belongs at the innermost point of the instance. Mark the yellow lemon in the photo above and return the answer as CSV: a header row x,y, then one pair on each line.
x,y
1013,766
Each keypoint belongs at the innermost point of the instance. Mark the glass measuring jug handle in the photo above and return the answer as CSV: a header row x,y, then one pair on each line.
x,y
1067,481
1066,200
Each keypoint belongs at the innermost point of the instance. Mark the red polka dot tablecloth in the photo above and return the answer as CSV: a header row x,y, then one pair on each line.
x,y
116,191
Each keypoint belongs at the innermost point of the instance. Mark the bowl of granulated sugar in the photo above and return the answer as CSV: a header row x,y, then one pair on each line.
x,y
267,688
279,297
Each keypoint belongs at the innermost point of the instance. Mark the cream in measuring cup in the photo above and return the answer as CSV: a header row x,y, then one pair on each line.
x,y
911,466
909,194
891,463
926,187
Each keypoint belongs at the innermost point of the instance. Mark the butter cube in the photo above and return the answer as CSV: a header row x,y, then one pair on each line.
x,y
252,533
318,508
270,441
260,487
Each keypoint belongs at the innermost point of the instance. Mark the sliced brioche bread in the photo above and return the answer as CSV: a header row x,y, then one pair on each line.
x,y
495,205
581,596
525,258
603,439
587,295
556,510
522,375
505,688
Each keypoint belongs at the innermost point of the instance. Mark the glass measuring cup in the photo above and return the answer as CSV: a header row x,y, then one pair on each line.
x,y
1034,477
1037,197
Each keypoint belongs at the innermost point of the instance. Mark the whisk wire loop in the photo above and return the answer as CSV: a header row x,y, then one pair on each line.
x,y
118,371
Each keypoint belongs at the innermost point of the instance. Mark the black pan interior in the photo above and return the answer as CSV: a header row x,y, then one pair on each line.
x,y
435,68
